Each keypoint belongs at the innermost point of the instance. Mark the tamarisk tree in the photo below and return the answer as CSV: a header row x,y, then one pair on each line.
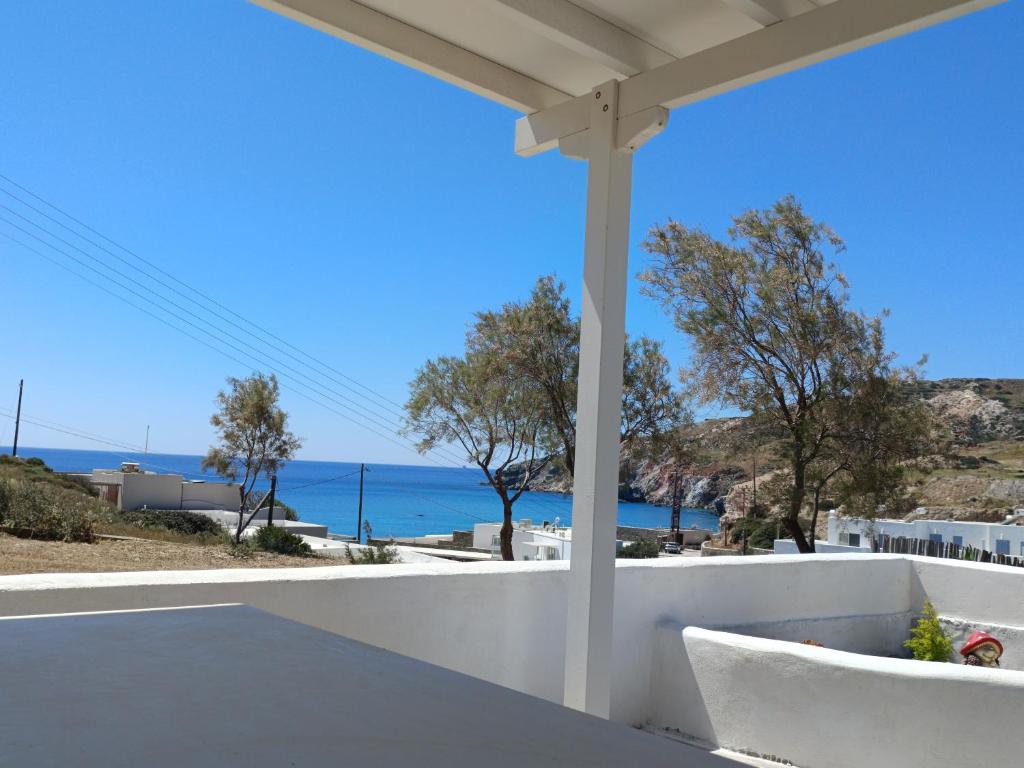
x,y
772,335
253,437
498,419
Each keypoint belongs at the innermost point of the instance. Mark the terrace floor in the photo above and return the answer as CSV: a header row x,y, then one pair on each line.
x,y
232,685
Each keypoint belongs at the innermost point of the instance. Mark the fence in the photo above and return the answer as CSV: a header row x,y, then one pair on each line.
x,y
903,545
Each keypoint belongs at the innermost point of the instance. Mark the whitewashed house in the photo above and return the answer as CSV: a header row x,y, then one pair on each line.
x,y
529,542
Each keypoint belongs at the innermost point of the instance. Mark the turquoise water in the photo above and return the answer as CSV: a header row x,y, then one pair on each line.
x,y
398,500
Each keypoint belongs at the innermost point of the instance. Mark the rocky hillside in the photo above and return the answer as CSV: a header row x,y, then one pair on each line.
x,y
983,479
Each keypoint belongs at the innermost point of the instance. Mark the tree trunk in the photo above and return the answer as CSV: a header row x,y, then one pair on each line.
x,y
569,456
241,513
814,517
796,503
506,531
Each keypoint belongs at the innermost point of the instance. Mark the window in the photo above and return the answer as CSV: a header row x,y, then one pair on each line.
x,y
958,540
1003,547
1022,549
936,537
854,540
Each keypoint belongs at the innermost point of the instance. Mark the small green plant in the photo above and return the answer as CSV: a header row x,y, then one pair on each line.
x,y
638,550
277,539
376,553
928,641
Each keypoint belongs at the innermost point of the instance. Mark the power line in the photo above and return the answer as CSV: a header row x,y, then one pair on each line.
x,y
73,432
372,416
432,501
441,451
205,343
192,288
529,500
319,482
259,357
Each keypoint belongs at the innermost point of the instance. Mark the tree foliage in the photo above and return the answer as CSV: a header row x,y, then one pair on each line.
x,y
638,550
540,342
772,334
253,436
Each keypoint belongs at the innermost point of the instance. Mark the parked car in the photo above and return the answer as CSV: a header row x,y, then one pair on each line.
x,y
671,548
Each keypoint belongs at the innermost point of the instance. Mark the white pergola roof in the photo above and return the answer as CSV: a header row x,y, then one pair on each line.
x,y
532,55
596,79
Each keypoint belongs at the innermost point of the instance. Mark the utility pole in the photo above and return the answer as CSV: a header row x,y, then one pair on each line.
x,y
270,512
359,524
745,512
146,450
677,505
755,480
17,419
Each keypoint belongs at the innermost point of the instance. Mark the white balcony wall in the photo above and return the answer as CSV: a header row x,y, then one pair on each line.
x,y
505,622
832,709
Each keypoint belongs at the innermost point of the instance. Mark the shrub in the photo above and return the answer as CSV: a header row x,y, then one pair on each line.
x,y
42,511
760,533
928,641
379,553
282,509
177,520
277,539
35,470
639,549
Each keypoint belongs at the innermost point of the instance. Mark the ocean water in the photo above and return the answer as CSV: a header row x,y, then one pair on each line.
x,y
398,500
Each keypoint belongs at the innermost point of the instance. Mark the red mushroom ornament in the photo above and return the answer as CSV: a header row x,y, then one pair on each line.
x,y
982,650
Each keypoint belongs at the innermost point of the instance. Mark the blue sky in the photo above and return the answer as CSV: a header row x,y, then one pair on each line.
x,y
363,211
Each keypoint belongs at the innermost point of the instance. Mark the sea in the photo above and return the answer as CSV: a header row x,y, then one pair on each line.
x,y
398,500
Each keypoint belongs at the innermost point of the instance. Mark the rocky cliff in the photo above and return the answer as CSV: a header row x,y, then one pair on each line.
x,y
983,478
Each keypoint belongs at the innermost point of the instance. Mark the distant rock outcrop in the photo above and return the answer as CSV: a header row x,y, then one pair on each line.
x,y
974,419
975,412
700,486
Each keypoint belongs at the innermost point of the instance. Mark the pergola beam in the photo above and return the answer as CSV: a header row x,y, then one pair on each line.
x,y
827,32
585,33
768,12
401,42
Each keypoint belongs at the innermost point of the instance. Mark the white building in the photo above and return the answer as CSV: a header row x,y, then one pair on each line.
x,y
855,534
130,488
529,542
997,538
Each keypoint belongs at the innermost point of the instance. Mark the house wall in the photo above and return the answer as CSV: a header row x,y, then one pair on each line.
x,y
983,535
140,490
505,622
832,709
788,547
210,496
484,533
156,491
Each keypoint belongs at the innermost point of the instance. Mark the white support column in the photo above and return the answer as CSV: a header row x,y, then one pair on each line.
x,y
595,490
